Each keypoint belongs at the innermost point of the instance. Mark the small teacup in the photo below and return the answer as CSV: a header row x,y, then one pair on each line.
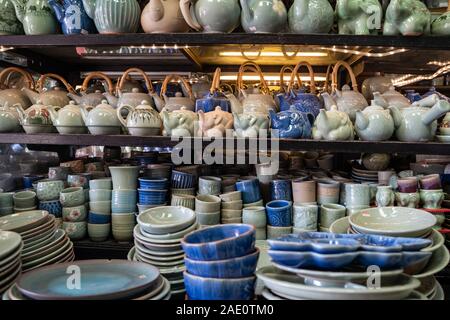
x,y
231,196
231,214
72,197
279,213
329,213
74,214
306,216
234,205
407,185
328,191
75,230
255,216
207,204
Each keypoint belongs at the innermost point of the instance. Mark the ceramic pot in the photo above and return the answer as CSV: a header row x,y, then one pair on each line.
x,y
124,177
105,184
72,17
356,18
47,190
279,213
432,199
9,24
310,16
72,197
410,200
357,195
53,207
407,185
329,213
162,16
385,196
99,232
74,214
208,218
327,191
306,216
430,182
409,18
207,204
214,123
36,16
24,199
142,120
281,190
249,189
209,185
304,191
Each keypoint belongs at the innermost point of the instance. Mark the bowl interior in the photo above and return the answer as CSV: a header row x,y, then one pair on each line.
x,y
166,215
217,233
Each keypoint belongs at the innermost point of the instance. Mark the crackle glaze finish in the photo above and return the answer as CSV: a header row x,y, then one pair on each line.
x,y
310,16
9,24
263,16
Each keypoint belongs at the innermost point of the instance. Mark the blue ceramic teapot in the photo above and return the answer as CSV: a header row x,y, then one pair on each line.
x,y
301,100
292,123
72,17
214,98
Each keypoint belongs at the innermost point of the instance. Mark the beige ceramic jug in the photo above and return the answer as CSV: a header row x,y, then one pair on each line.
x,y
163,16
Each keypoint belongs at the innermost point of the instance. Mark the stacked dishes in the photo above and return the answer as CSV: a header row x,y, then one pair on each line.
x,y
99,223
10,263
123,225
47,192
182,183
124,194
74,223
207,209
231,207
125,280
183,200
359,174
6,203
220,263
24,201
157,239
152,193
44,244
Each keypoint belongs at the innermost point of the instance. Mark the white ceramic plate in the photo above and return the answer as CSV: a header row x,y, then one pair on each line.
x,y
20,222
164,220
9,243
141,248
39,241
439,260
54,256
159,258
171,236
393,221
58,236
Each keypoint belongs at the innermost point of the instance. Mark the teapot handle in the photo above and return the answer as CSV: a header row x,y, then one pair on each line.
x,y
334,75
8,71
326,85
283,70
119,113
97,75
187,10
40,82
294,73
175,77
215,85
124,77
251,66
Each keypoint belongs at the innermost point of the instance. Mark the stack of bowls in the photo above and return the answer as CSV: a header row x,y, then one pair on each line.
x,y
74,223
10,263
157,239
24,201
99,223
124,194
207,209
123,226
6,203
182,183
251,194
183,200
279,218
152,193
47,192
126,281
80,180
231,207
220,263
43,243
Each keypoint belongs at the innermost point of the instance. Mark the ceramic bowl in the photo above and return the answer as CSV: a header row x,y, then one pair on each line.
x,y
99,195
99,232
75,230
259,203
6,199
72,197
209,185
74,214
250,190
155,184
231,220
125,219
24,209
201,288
189,191
231,196
276,232
53,207
79,180
101,207
162,220
124,177
99,218
143,207
207,203
219,242
430,182
183,201
104,184
229,268
182,180
158,171
24,199
407,185
255,216
149,196
233,205
279,213
208,218
230,214
47,190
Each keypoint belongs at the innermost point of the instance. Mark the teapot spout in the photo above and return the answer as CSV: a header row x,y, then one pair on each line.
x,y
361,121
32,95
74,97
427,102
328,100
438,110
112,99
236,106
396,115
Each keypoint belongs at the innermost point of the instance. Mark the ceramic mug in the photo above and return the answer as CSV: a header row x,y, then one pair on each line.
x,y
209,185
249,189
329,213
304,191
306,216
328,191
357,194
281,190
430,182
255,216
279,213
407,185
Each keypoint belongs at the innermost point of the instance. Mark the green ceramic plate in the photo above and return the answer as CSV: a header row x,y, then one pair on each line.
x,y
20,222
9,243
439,260
445,139
57,237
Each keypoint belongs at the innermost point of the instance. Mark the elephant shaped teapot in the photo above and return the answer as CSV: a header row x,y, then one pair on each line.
x,y
407,17
251,124
292,124
214,123
179,123
333,125
263,16
361,17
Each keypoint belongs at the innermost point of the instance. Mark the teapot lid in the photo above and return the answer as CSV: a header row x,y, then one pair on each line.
x,y
104,104
144,105
346,87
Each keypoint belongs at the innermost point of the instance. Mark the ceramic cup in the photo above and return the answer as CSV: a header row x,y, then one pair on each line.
x,y
99,232
432,199
303,191
6,199
384,177
326,162
75,230
231,214
104,184
357,194
105,207
409,200
279,213
74,214
209,185
281,190
329,213
208,219
234,205
385,196
407,185
356,209
306,216
100,195
47,190
327,191
189,191
250,190
24,199
276,232
430,182
58,173
207,204
186,201
124,177
255,216
72,197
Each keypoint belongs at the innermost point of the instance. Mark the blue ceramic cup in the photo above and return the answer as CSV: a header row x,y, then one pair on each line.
x,y
279,213
96,218
29,179
281,190
249,190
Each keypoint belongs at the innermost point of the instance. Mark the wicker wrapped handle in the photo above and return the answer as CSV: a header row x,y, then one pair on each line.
x,y
326,85
295,73
215,85
8,71
97,75
285,69
176,77
334,75
40,82
251,66
125,76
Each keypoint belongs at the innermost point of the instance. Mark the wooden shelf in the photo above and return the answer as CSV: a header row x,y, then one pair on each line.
x,y
238,143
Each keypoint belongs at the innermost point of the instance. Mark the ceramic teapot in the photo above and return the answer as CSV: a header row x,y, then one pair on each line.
x,y
69,119
72,17
301,100
111,16
36,119
214,123
177,102
378,83
362,17
346,100
12,95
441,25
392,98
255,100
142,120
36,16
102,119
407,17
9,119
163,16
94,98
250,124
418,123
432,91
211,16
310,16
333,125
53,97
179,123
374,123
292,123
214,98
263,16
135,97
9,24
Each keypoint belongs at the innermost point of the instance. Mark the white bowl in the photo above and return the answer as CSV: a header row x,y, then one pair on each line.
x,y
163,220
393,221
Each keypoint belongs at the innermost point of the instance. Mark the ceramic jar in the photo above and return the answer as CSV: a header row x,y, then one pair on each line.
x,y
306,217
102,119
329,213
214,123
374,123
263,16
142,120
358,17
407,17
251,125
357,194
179,123
112,16
310,16
385,196
328,191
432,199
68,120
9,24
124,177
410,200
291,124
36,16
72,17
211,16
9,119
162,16
304,191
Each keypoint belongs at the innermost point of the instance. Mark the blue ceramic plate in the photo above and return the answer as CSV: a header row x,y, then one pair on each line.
x,y
100,280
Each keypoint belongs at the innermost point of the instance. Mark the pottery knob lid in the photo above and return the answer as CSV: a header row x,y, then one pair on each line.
x,y
178,94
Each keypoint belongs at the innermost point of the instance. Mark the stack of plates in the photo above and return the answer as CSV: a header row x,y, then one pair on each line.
x,y
44,244
431,288
10,264
359,174
99,280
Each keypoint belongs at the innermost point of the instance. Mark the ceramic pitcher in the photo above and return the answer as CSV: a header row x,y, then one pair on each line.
x,y
9,24
36,16
310,16
407,17
72,17
93,98
211,16
163,16
55,96
263,16
361,17
111,16
10,93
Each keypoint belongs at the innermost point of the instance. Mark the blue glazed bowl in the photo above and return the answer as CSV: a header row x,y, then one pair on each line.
x,y
199,288
149,158
29,179
96,218
240,267
154,184
281,190
279,213
250,190
148,197
220,242
182,180
53,207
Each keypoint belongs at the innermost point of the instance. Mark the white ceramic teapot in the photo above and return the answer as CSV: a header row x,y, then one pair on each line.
x,y
142,120
179,123
102,119
374,123
250,124
69,119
